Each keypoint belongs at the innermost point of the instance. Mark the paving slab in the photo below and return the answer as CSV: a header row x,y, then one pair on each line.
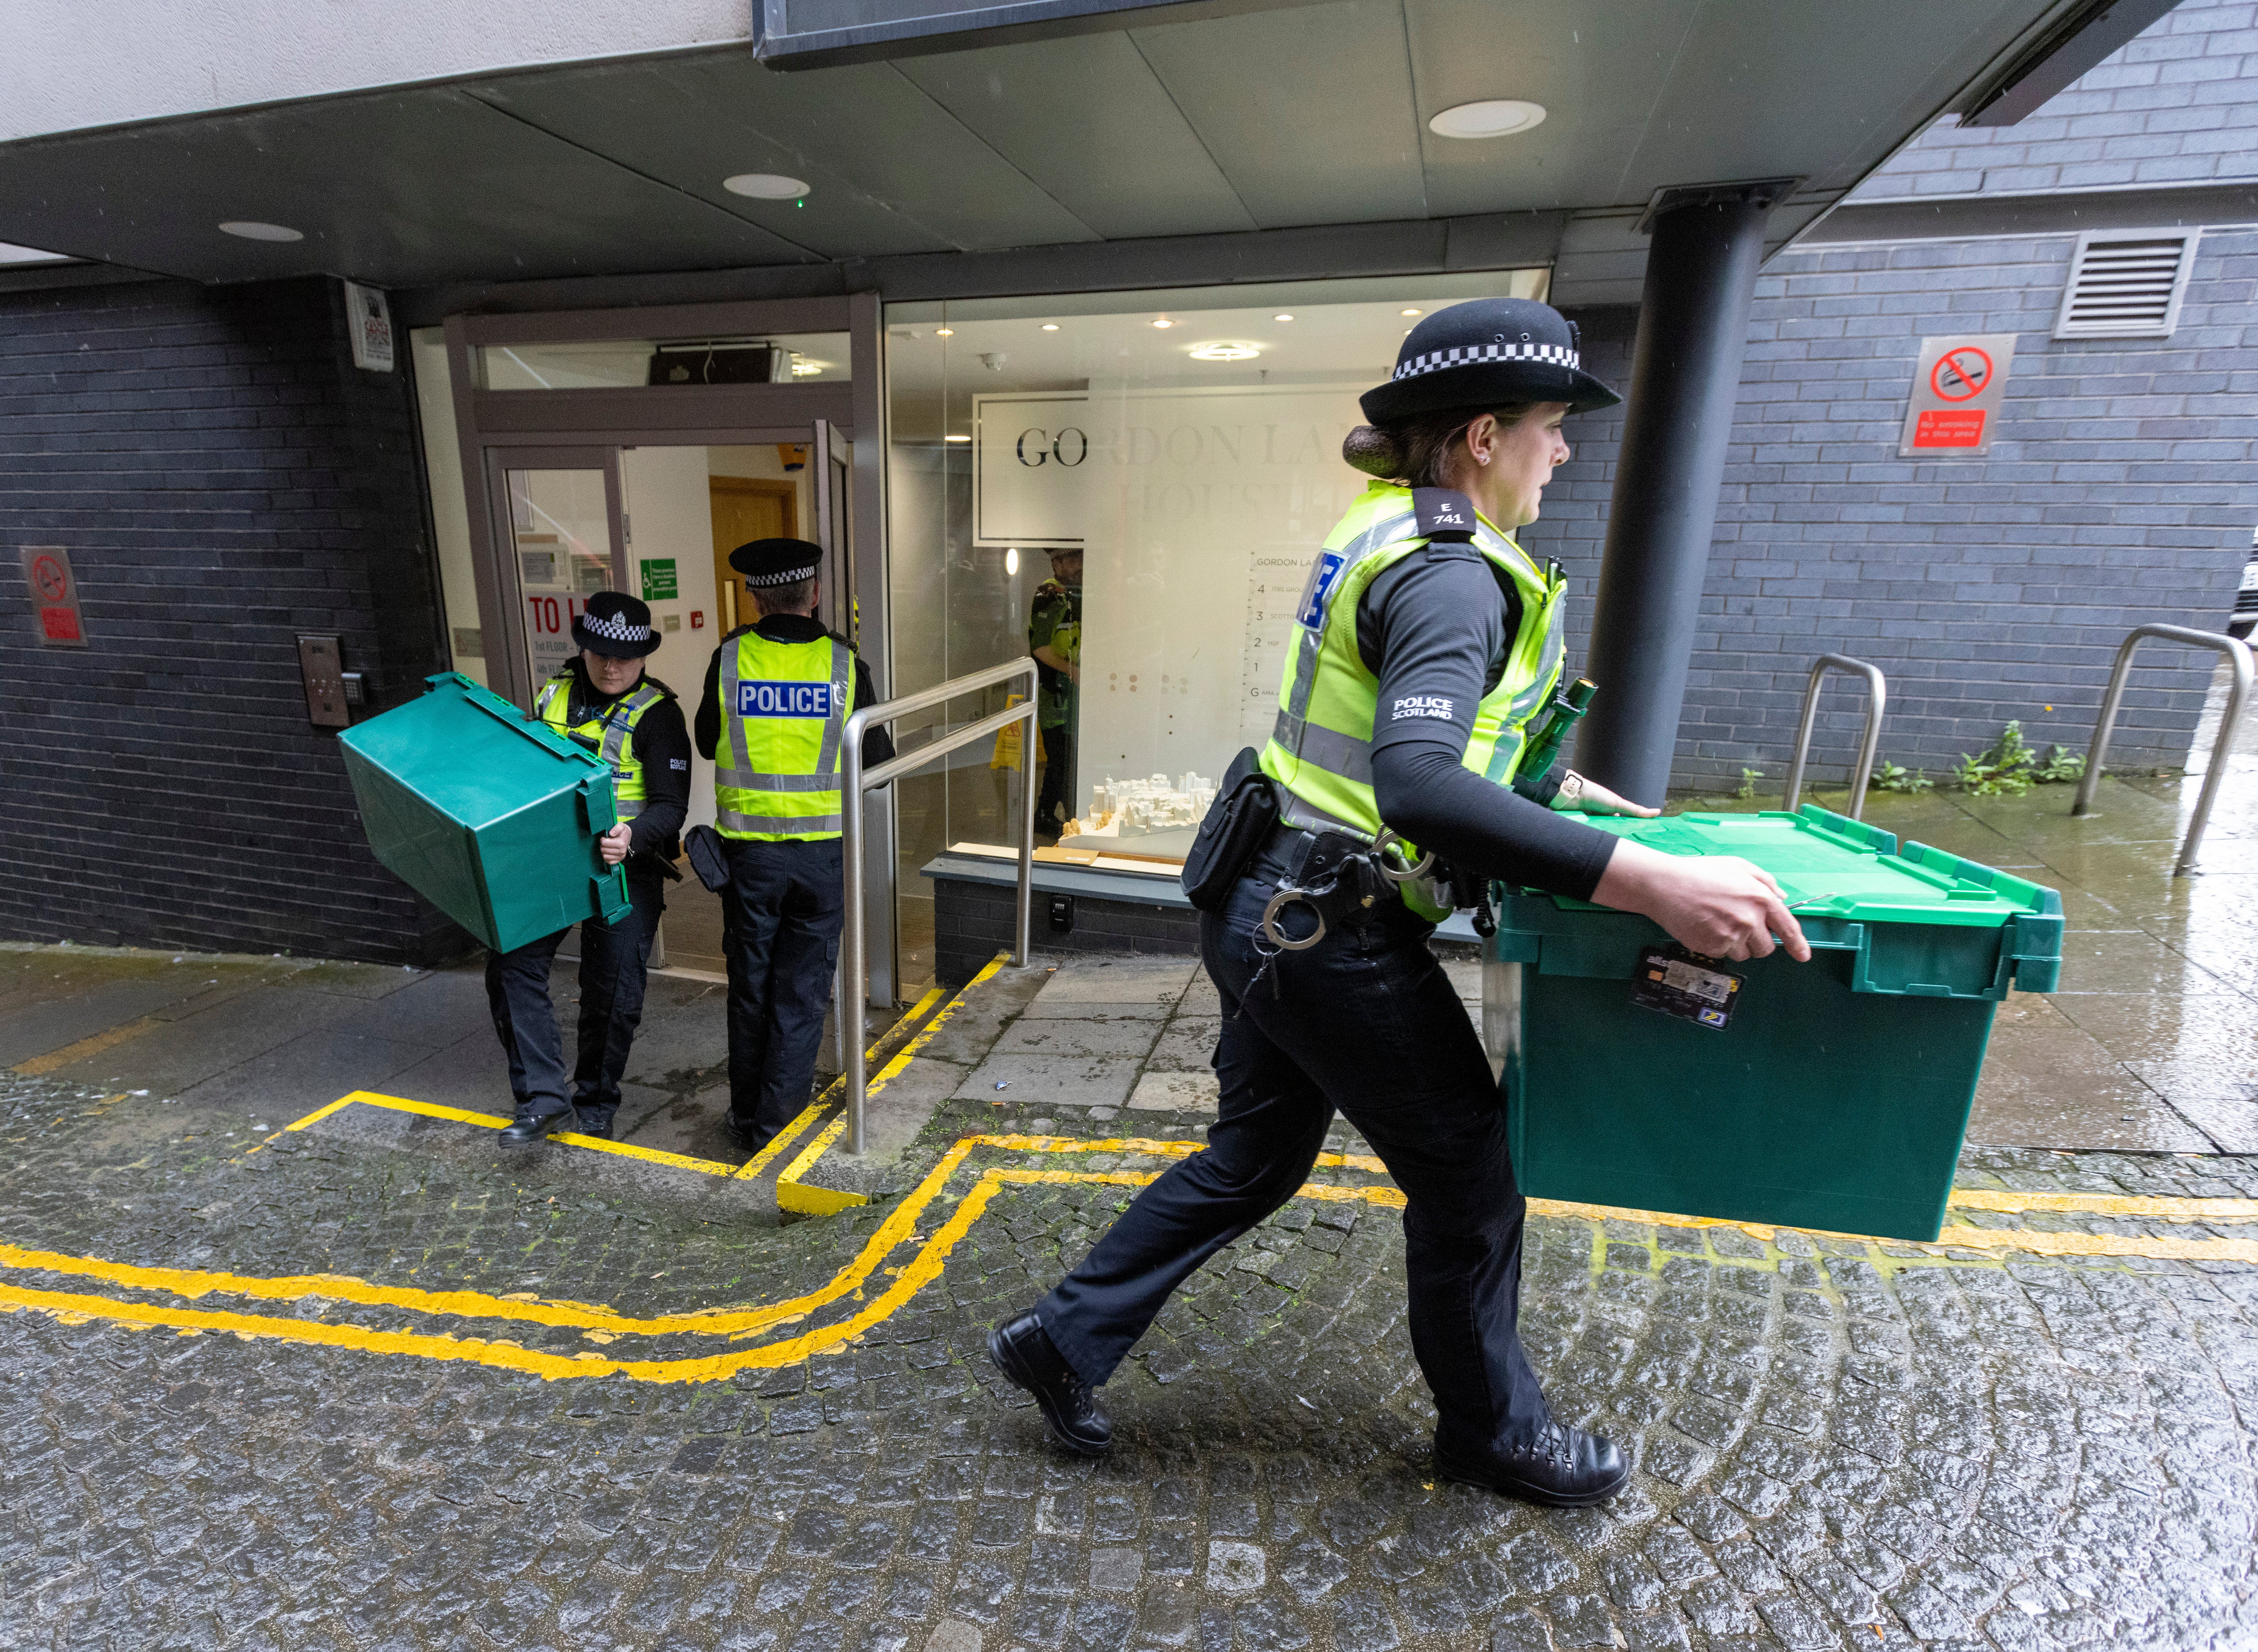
x,y
1051,1081
1175,1093
1187,1046
1071,1035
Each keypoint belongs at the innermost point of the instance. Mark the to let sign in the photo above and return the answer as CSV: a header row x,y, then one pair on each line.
x,y
1956,396
54,596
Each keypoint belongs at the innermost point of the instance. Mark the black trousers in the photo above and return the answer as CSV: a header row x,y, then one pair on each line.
x,y
614,969
1057,797
783,910
1365,1022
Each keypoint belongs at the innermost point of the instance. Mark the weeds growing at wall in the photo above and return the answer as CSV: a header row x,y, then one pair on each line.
x,y
2009,766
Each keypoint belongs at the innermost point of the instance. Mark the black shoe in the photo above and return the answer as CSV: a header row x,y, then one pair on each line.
x,y
1023,1351
745,1137
531,1127
1561,1467
597,1121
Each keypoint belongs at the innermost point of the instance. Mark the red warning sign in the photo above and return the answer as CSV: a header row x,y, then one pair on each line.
x,y
1957,391
1960,374
54,596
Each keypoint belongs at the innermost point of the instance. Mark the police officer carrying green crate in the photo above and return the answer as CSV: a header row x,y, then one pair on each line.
x,y
778,693
1428,643
603,702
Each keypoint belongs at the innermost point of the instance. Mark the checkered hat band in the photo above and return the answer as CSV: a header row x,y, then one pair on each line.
x,y
789,576
615,630
1552,355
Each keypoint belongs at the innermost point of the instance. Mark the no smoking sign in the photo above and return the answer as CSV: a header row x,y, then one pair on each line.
x,y
54,597
1956,396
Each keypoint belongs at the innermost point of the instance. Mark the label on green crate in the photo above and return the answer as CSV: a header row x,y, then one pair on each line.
x,y
1687,985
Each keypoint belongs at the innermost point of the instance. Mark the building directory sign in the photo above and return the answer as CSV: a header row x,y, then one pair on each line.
x,y
1956,389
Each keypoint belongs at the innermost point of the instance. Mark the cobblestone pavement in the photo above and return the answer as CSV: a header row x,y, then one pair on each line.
x,y
295,1397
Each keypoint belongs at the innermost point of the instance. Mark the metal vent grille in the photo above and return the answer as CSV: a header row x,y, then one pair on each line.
x,y
2126,284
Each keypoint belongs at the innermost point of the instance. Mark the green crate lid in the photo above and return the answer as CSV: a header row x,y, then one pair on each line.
x,y
1830,866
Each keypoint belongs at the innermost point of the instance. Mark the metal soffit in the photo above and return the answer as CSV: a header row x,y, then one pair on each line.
x,y
1273,118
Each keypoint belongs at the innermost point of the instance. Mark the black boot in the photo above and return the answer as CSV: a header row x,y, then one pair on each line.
x,y
1024,1352
597,1121
529,1126
745,1135
1560,1467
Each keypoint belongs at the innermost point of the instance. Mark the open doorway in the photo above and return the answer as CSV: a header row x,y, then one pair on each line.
x,y
748,507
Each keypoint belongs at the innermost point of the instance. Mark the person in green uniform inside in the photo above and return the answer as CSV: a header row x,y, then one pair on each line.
x,y
604,702
1055,638
777,696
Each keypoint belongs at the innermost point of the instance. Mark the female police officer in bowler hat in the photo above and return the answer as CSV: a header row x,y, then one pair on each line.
x,y
1428,642
604,701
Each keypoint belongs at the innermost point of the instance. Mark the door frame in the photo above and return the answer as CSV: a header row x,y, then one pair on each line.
x,y
845,425
517,677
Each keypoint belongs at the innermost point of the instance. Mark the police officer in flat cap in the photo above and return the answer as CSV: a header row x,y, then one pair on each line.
x,y
777,696
604,702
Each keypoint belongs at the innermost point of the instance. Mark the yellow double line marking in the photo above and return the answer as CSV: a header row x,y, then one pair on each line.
x,y
926,1265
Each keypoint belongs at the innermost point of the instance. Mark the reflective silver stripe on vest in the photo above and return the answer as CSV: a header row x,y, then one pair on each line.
x,y
1525,704
741,763
788,782
628,810
1336,753
1297,810
843,684
1291,725
798,825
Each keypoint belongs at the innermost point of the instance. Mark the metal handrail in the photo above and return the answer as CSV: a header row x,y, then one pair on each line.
x,y
856,781
2238,657
1878,696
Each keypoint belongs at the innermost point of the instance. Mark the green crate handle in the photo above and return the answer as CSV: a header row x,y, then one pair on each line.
x,y
1856,833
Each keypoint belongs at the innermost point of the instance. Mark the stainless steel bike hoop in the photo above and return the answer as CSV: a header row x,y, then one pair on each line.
x,y
1268,927
1387,835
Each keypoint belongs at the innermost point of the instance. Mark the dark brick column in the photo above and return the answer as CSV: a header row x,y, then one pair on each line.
x,y
224,478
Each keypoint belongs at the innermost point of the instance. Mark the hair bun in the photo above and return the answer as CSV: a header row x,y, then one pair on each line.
x,y
1374,451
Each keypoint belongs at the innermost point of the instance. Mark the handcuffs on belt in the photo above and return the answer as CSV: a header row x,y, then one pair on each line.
x,y
1322,896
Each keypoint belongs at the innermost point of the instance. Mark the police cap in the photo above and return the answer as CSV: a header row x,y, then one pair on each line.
x,y
768,563
1488,352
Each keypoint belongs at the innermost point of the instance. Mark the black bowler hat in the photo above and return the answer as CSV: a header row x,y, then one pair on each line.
x,y
776,562
615,624
1485,352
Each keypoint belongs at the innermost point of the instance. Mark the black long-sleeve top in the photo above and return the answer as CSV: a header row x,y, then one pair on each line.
x,y
1436,629
661,746
878,744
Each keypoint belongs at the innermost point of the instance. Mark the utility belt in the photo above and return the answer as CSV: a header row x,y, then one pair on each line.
x,y
1335,874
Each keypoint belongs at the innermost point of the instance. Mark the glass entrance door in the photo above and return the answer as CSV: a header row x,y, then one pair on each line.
x,y
558,531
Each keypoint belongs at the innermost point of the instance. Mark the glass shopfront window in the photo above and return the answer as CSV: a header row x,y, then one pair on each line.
x,y
1134,483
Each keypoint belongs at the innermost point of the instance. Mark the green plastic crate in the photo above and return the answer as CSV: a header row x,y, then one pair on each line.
x,y
1835,1098
491,818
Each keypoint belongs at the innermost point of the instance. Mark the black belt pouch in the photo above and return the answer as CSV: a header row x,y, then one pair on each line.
x,y
1245,809
704,845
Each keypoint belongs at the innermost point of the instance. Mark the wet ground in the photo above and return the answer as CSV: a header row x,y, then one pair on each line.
x,y
375,1382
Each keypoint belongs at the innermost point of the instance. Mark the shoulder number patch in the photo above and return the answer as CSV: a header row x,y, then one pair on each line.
x,y
1324,576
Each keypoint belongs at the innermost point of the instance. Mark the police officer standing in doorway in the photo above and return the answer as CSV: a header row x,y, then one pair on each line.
x,y
603,702
778,693
1427,643
1054,639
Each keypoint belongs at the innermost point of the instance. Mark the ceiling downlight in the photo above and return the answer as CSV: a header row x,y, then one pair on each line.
x,y
1493,117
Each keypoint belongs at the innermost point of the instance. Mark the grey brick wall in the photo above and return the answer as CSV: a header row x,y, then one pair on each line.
x,y
2177,105
2121,489
225,478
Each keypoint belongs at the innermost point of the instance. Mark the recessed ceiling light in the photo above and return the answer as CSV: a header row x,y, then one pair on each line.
x,y
1164,322
808,369
1050,327
956,439
249,230
1496,117
1225,349
1411,312
944,332
765,185
1282,318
